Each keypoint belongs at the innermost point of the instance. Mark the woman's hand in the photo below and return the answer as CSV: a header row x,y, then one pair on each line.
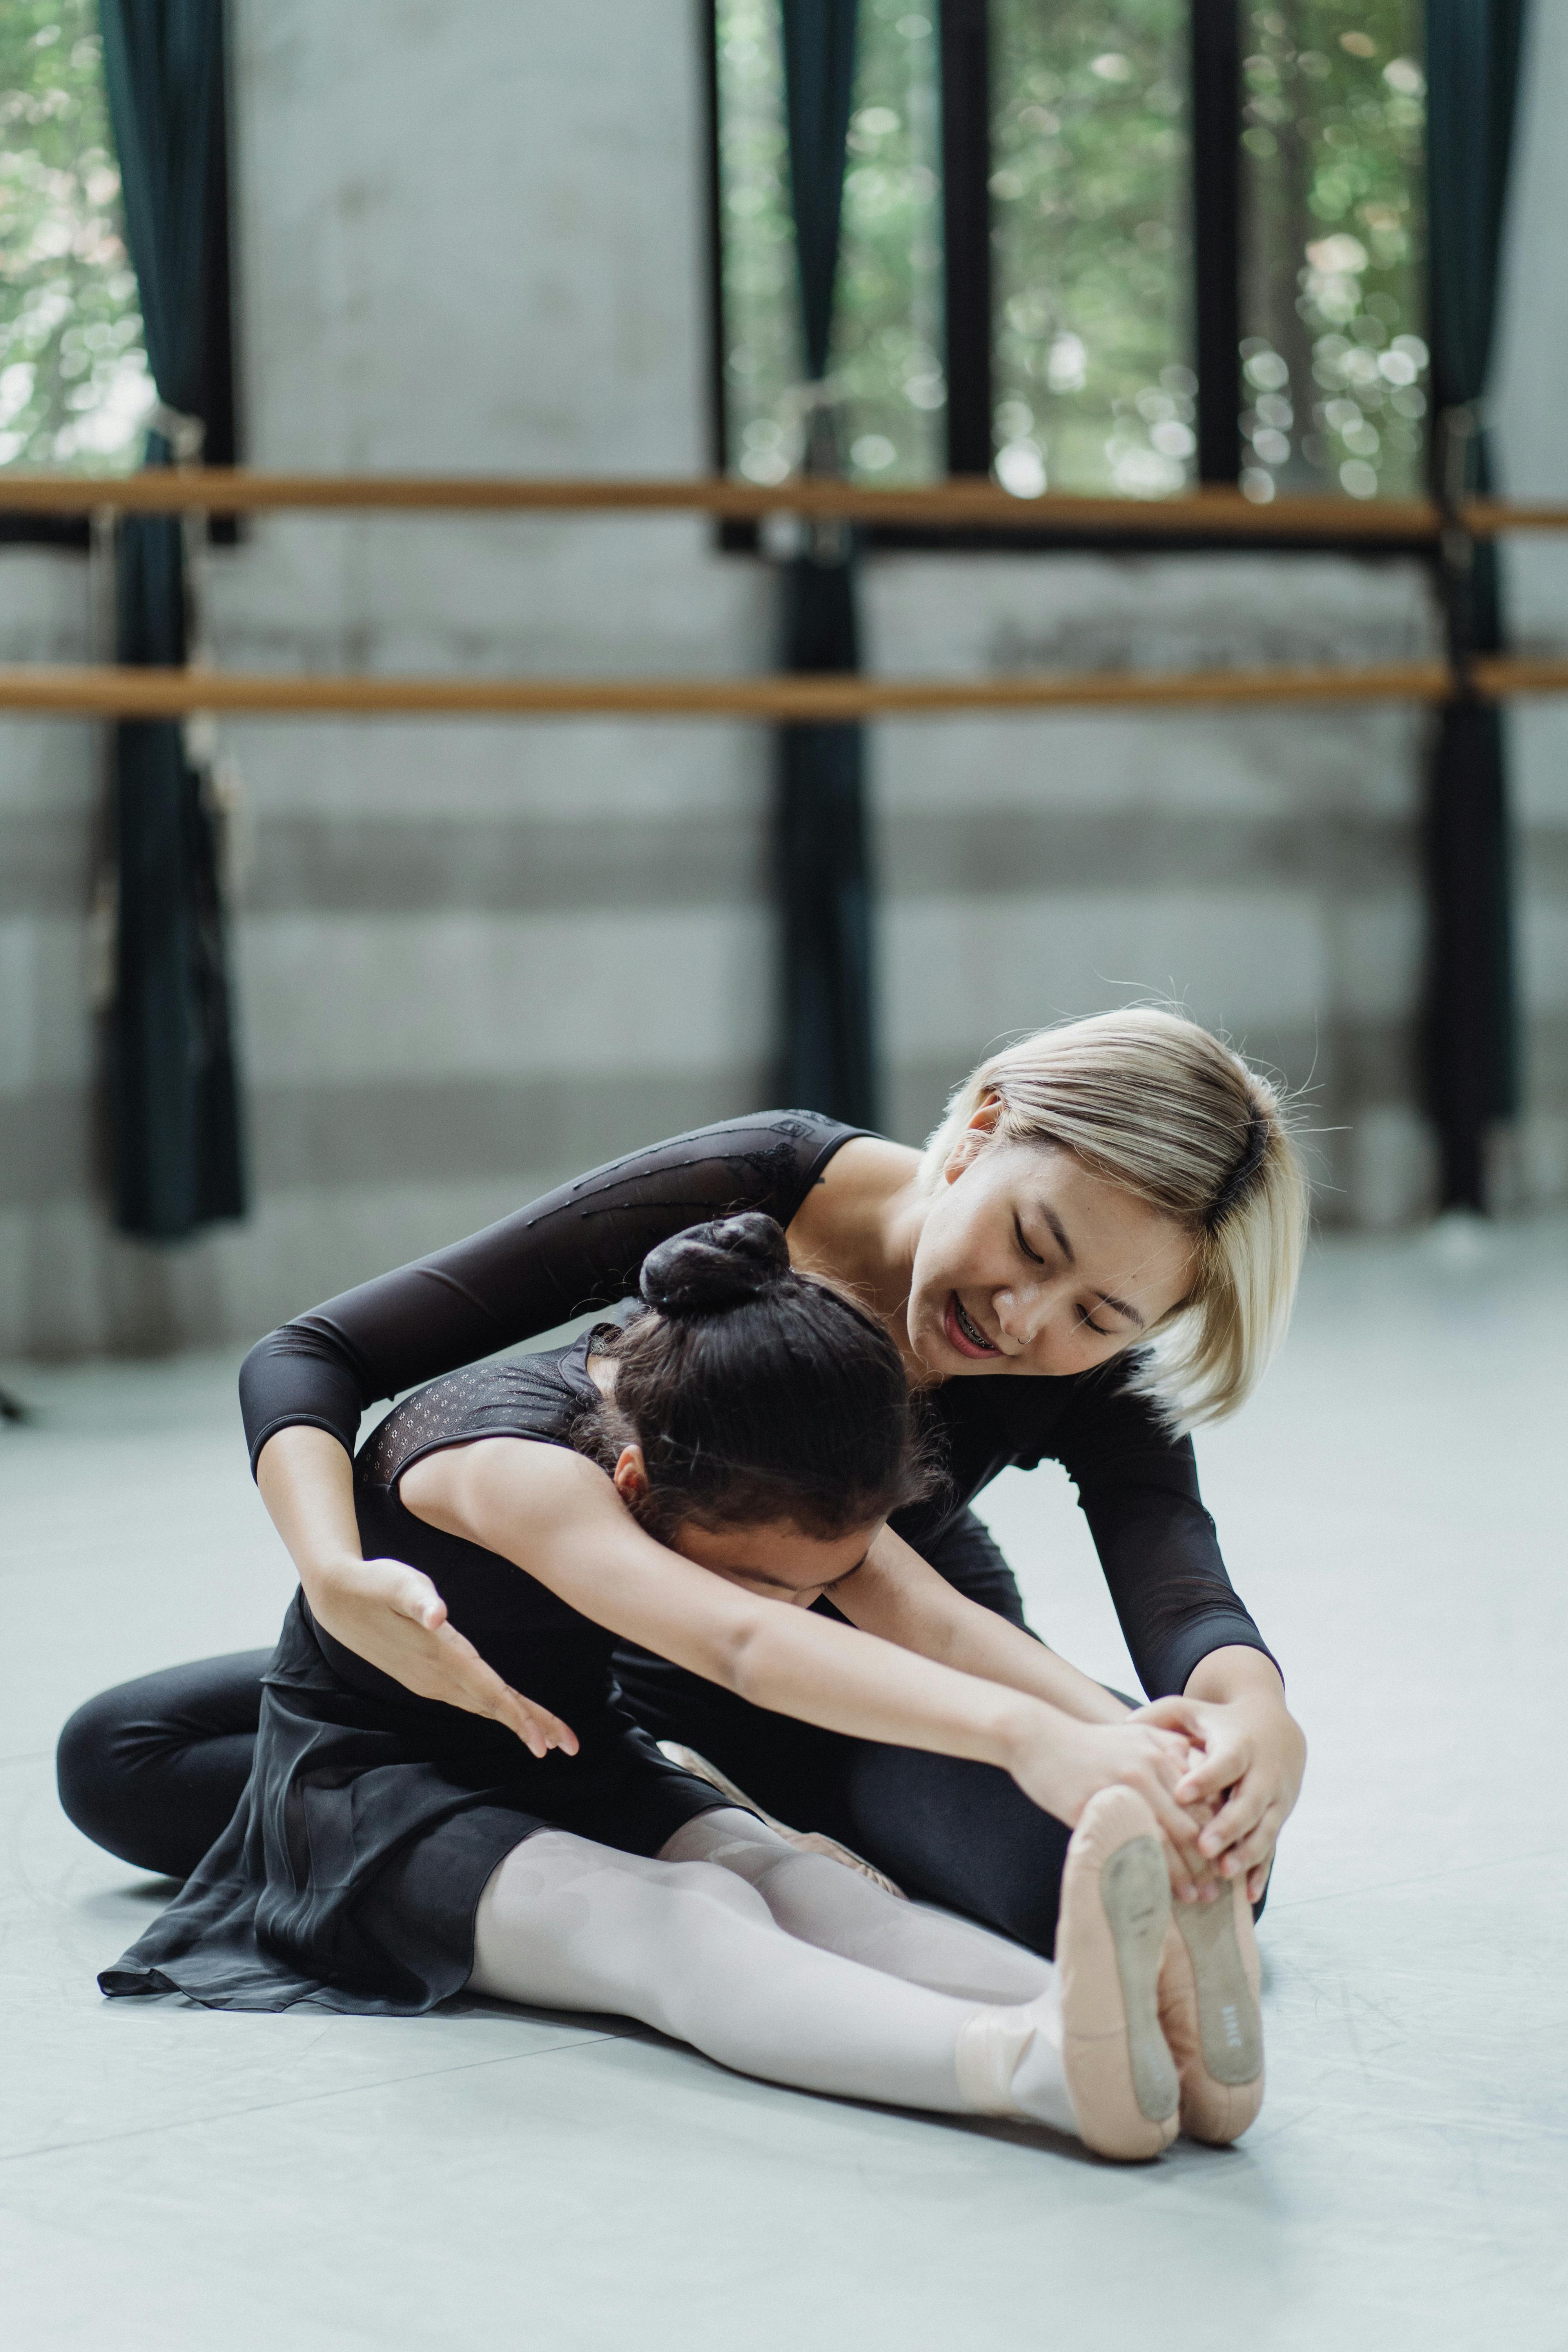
x,y
392,1616
384,1611
1248,1775
1154,1759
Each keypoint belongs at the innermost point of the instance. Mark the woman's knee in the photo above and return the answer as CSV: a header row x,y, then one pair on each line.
x,y
89,1770
153,1769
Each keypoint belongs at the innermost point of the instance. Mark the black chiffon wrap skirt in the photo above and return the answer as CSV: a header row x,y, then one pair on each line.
x,y
352,1870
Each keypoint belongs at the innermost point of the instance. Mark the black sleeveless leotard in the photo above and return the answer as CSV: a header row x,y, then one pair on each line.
x,y
350,1873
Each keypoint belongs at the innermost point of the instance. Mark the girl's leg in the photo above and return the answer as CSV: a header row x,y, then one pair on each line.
x,y
696,1952
153,1770
825,1903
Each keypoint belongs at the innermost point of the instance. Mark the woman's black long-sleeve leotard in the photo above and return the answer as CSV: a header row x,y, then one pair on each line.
x,y
956,1832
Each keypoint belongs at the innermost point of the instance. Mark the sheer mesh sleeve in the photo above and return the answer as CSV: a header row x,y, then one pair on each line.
x,y
577,1248
1139,1490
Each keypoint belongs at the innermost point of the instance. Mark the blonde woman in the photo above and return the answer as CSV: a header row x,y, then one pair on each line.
x,y
1097,1251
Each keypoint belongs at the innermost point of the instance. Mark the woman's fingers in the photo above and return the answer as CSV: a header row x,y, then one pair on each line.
x,y
1236,1818
1210,1774
1256,1847
482,1691
1184,1715
554,1733
1258,1877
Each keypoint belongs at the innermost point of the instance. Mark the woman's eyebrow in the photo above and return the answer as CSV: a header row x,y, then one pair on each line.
x,y
1106,1298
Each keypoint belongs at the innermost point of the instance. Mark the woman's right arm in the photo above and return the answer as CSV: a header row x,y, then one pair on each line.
x,y
385,1611
554,1514
303,1388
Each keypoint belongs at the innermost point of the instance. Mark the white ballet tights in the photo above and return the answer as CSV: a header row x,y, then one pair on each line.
x,y
777,1963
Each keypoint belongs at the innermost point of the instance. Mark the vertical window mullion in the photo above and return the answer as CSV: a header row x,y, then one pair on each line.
x,y
966,231
1216,233
718,413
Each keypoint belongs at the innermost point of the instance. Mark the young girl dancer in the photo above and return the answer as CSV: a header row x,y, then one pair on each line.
x,y
1096,1250
678,1485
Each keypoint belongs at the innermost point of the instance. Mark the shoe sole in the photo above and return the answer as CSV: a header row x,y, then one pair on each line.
x,y
1229,2026
1135,1894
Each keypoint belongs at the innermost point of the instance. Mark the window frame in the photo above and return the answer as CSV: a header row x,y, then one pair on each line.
x,y
1214,49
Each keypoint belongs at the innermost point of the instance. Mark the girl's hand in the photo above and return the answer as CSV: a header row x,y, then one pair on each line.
x,y
1153,1758
1248,1775
392,1616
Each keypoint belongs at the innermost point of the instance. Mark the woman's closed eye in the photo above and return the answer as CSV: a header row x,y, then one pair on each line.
x,y
1085,1314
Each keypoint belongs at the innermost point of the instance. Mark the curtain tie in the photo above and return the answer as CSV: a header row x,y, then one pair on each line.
x,y
184,434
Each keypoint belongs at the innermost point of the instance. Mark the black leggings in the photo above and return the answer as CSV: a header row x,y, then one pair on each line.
x,y
153,1770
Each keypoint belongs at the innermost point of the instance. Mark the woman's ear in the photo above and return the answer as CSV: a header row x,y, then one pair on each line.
x,y
981,1127
630,1474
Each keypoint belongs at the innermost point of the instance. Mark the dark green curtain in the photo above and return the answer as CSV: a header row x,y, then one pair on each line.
x,y
824,876
1472,71
173,1097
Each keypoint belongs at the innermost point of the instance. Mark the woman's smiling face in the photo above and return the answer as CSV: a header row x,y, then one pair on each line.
x,y
1029,1263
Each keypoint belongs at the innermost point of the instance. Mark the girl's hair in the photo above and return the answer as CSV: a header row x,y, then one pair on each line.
x,y
756,1393
1156,1104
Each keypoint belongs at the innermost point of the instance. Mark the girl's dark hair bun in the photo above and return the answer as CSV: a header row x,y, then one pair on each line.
x,y
709,1267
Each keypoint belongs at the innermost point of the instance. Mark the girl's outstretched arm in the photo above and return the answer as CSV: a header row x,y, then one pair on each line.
x,y
556,1516
900,1597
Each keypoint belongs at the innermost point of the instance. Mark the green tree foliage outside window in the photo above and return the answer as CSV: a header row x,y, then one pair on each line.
x,y
1092,361
74,385
1332,352
1089,183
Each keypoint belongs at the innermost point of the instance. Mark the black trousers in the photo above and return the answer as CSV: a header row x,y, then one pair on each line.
x,y
153,1772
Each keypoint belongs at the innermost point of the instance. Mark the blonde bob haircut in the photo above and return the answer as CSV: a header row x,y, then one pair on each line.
x,y
1152,1102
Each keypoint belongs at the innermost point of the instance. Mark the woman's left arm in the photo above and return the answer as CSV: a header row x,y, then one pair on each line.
x,y
1187,1627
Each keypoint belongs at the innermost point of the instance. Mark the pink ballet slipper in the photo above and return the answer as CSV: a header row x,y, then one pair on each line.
x,y
1111,1937
1208,2008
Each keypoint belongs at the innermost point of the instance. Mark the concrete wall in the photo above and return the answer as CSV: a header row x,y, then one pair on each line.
x,y
475,957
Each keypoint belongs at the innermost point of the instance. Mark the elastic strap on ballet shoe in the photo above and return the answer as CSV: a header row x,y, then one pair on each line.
x,y
990,2047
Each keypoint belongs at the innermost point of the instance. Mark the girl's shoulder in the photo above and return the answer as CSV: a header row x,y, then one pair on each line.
x,y
539,1396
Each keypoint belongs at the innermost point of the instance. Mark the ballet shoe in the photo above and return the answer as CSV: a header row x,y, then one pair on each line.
x,y
804,1841
1110,1939
1208,2008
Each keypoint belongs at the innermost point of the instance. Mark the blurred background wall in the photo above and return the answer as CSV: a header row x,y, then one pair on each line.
x,y
473,957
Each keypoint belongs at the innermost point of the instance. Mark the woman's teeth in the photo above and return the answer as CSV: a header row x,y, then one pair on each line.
x,y
976,1338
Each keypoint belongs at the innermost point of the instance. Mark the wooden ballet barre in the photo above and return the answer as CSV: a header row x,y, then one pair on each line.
x,y
109,692
964,504
970,502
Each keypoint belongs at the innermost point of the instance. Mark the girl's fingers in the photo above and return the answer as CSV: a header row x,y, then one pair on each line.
x,y
1187,1868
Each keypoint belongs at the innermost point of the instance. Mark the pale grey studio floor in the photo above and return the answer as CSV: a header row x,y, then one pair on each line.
x,y
1391,1507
